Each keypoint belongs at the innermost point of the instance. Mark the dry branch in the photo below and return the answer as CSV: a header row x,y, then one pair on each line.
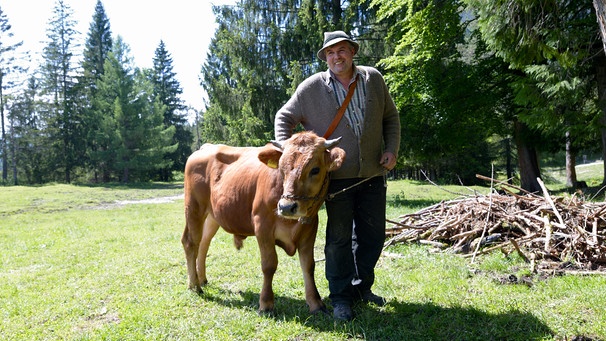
x,y
538,228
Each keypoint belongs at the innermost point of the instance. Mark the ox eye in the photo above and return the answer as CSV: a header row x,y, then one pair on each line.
x,y
315,171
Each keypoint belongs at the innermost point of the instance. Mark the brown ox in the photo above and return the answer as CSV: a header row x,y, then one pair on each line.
x,y
272,192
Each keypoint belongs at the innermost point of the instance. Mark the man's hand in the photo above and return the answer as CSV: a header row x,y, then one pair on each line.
x,y
388,160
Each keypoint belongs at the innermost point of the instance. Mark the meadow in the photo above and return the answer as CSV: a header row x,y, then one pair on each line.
x,y
84,262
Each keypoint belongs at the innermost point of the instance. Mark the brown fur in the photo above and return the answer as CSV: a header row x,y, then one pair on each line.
x,y
238,189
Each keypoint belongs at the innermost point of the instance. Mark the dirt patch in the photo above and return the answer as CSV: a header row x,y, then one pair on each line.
x,y
160,200
152,201
98,320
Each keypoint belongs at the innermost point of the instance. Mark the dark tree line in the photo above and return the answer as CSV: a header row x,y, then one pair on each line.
x,y
88,113
478,83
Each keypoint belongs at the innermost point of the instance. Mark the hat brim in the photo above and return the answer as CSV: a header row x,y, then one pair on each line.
x,y
321,55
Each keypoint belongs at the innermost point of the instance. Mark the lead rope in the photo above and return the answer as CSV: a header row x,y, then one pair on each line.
x,y
332,195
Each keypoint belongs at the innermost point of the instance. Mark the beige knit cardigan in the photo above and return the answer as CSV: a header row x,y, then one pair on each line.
x,y
314,105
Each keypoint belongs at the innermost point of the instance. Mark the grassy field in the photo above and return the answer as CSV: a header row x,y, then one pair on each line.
x,y
88,263
592,173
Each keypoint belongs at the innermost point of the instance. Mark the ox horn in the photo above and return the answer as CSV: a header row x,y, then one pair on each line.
x,y
331,143
277,144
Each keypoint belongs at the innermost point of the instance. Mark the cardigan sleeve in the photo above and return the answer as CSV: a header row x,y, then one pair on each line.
x,y
311,105
391,124
287,118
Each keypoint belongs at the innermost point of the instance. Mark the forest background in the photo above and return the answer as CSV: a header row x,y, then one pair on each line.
x,y
482,87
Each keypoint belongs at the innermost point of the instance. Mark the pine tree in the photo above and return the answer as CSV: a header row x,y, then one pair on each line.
x,y
28,152
113,90
167,89
133,141
8,66
156,142
261,48
247,70
63,120
97,47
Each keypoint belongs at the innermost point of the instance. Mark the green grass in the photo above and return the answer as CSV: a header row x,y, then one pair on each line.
x,y
592,173
75,265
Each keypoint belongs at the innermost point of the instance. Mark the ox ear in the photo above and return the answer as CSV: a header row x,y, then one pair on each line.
x,y
335,158
270,155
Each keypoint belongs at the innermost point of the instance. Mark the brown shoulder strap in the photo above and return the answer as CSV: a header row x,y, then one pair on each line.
x,y
341,111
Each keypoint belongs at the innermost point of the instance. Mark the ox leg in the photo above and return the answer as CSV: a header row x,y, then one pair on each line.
x,y
308,265
269,264
209,231
192,234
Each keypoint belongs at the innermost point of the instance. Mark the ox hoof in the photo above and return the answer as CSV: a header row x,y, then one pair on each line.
x,y
266,312
197,289
321,311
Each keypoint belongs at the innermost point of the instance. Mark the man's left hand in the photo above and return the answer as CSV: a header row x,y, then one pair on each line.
x,y
388,160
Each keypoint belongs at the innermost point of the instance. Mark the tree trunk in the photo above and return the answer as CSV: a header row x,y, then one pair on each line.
x,y
571,173
601,79
337,12
527,160
600,9
3,142
14,157
509,164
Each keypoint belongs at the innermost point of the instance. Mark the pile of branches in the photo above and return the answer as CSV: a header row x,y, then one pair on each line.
x,y
542,229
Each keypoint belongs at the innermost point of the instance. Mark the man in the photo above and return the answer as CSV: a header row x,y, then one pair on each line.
x,y
370,132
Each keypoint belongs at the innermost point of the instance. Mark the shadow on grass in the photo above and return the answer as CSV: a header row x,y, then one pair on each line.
x,y
134,185
595,193
401,320
415,204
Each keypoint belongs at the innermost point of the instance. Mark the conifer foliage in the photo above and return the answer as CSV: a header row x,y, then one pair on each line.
x,y
166,89
61,117
8,66
90,114
468,77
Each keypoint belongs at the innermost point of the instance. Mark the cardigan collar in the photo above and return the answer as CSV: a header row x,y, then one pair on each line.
x,y
330,77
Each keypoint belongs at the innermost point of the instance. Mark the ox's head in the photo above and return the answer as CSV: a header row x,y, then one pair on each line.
x,y
304,162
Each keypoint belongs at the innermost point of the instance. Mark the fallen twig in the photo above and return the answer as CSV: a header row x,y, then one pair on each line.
x,y
538,228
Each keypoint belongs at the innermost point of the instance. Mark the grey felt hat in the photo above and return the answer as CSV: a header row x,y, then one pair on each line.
x,y
331,38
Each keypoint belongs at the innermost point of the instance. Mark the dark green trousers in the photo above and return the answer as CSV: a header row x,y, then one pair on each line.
x,y
359,213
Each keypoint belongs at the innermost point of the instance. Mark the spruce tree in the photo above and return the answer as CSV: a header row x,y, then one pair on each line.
x,y
97,47
551,46
28,152
156,144
166,89
261,48
114,89
132,137
8,67
64,122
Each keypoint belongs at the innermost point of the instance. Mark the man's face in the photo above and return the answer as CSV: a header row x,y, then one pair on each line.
x,y
339,58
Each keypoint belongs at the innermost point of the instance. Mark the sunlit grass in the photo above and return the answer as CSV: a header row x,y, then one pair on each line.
x,y
77,265
592,173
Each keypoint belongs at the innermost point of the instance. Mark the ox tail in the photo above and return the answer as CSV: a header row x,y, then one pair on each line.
x,y
239,241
